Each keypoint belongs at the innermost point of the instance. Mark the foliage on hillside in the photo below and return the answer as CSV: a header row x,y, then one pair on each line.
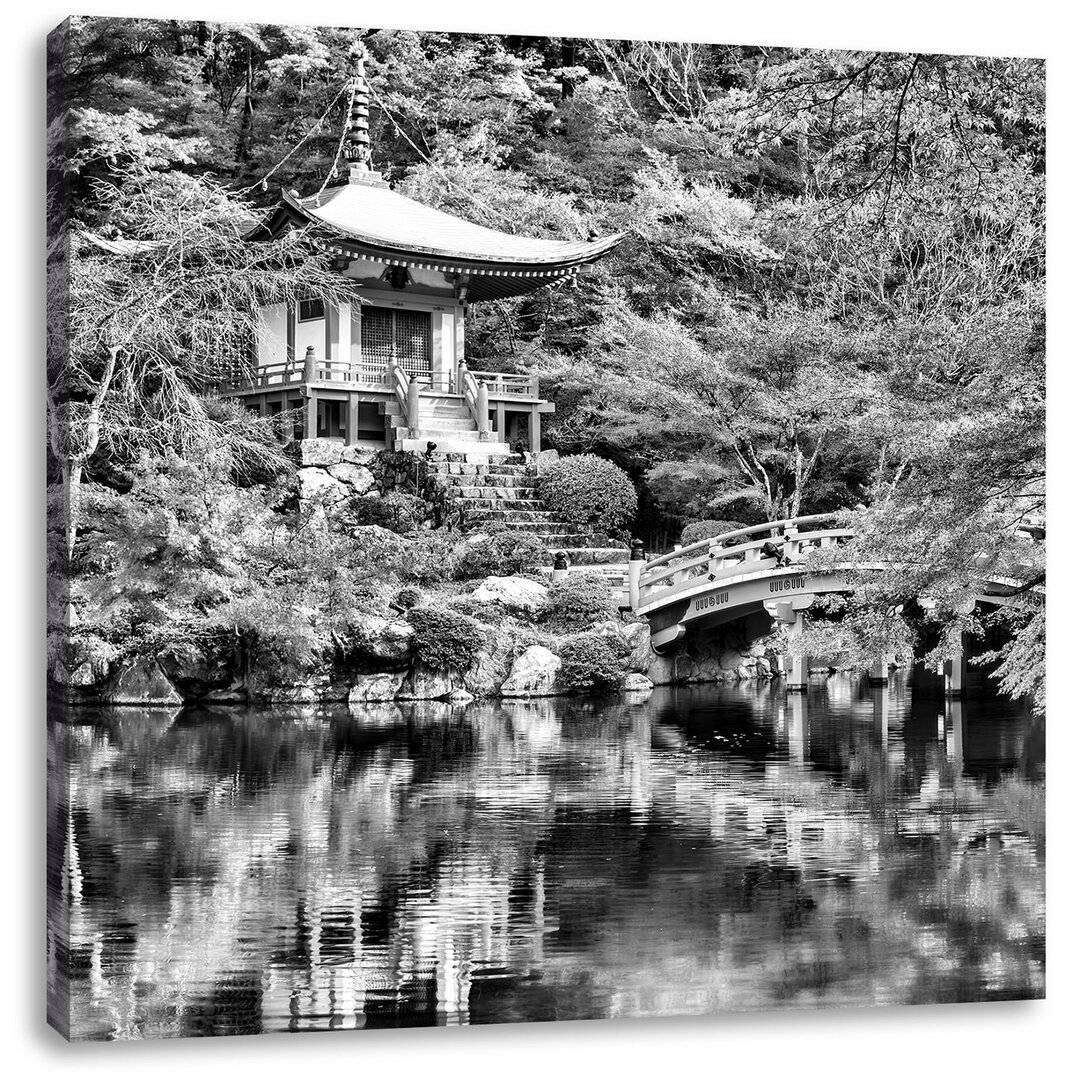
x,y
829,295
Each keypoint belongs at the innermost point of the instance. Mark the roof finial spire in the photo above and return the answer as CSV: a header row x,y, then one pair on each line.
x,y
357,138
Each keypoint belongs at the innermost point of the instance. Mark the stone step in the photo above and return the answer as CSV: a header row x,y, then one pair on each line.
x,y
539,517
468,506
494,465
482,488
444,423
459,412
590,557
434,399
500,493
479,451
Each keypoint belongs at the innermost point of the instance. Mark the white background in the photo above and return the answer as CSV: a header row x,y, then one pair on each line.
x,y
976,1041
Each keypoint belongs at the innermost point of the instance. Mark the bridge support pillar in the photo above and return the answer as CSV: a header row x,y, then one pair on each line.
x,y
637,561
954,733
798,678
796,728
879,672
879,695
956,675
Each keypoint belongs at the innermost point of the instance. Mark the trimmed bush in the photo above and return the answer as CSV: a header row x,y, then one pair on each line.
x,y
501,552
592,662
588,491
398,511
444,639
578,601
702,530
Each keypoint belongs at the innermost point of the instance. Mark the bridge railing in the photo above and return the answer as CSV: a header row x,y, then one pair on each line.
x,y
762,547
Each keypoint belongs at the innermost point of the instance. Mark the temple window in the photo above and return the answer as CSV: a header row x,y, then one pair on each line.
x,y
309,310
391,334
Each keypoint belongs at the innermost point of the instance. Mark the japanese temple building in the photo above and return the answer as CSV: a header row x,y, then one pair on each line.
x,y
389,369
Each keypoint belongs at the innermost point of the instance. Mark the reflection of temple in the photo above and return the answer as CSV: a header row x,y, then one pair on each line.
x,y
388,368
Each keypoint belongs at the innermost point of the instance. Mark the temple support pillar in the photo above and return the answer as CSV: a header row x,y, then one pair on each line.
x,y
413,402
534,431
352,421
332,332
483,416
311,413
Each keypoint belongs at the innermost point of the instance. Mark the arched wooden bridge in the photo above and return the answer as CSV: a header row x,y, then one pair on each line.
x,y
761,567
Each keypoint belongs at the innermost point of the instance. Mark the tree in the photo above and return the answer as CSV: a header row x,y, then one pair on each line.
x,y
959,489
160,311
748,412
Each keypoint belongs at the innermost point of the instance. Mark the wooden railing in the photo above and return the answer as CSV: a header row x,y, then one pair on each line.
x,y
375,372
475,392
311,370
776,543
503,384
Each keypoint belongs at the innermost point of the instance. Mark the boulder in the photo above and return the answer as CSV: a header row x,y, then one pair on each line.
x,y
515,593
141,682
543,459
638,640
204,673
378,687
424,684
320,452
460,697
82,676
359,455
318,484
533,674
491,665
382,643
302,693
359,479
636,684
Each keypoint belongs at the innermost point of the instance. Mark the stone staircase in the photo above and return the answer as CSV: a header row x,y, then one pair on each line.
x,y
490,488
445,420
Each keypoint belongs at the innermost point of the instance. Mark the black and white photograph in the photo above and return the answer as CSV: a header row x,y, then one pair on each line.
x,y
539,527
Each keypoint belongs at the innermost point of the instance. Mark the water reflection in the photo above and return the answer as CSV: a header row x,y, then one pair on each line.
x,y
233,871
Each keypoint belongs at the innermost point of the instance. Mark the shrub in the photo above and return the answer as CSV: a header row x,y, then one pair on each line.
x,y
702,530
426,558
444,639
397,510
587,490
578,601
408,597
592,662
501,552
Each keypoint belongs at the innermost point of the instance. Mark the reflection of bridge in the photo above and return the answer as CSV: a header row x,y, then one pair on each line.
x,y
762,567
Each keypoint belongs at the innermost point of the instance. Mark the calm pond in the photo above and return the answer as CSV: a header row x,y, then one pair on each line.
x,y
707,849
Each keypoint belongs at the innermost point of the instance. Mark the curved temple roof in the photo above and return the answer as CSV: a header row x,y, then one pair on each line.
x,y
372,220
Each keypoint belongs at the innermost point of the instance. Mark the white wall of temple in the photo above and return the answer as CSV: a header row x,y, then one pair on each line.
x,y
272,345
336,335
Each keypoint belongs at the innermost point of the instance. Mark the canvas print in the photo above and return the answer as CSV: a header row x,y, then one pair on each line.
x,y
539,528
